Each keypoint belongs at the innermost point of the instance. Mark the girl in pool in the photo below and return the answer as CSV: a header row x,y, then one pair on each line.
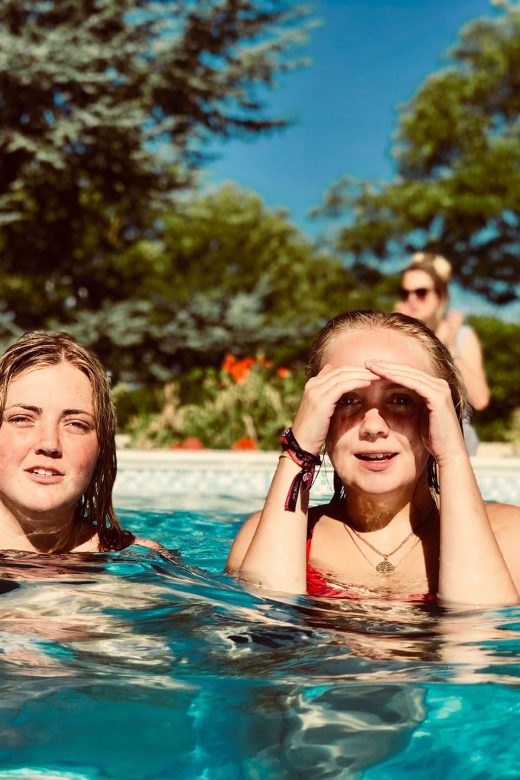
x,y
423,294
57,449
407,520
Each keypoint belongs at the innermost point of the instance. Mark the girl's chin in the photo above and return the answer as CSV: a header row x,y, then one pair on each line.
x,y
376,480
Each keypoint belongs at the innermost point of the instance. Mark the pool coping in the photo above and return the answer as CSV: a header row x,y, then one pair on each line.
x,y
161,458
243,472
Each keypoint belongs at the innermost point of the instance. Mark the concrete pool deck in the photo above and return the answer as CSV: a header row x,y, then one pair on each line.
x,y
246,473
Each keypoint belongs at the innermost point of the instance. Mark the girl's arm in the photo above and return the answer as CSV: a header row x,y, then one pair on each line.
x,y
270,549
472,569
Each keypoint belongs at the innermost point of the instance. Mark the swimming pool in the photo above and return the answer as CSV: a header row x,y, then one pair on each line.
x,y
136,665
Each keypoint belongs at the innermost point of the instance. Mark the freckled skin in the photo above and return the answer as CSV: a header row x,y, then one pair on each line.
x,y
48,424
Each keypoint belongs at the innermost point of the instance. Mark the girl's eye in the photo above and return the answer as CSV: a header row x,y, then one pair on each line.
x,y
19,419
348,400
78,425
403,401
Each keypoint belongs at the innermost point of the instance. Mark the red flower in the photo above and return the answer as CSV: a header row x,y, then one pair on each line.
x,y
245,443
228,363
189,443
283,372
240,370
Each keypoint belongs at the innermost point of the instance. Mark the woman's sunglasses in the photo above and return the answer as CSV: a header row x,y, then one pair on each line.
x,y
420,293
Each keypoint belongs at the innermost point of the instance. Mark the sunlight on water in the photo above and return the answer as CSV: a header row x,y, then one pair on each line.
x,y
143,665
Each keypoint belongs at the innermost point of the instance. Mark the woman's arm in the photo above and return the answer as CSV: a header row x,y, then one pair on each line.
x,y
270,549
464,345
472,569
470,363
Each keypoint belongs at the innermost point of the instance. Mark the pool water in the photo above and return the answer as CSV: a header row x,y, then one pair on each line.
x,y
138,665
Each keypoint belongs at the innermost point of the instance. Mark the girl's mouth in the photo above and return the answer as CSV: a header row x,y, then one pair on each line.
x,y
376,457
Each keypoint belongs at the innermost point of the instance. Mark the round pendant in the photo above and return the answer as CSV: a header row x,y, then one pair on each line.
x,y
385,567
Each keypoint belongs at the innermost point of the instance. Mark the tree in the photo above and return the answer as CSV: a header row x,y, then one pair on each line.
x,y
501,345
226,274
105,108
457,186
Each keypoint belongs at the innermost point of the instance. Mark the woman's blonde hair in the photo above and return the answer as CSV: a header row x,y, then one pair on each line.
x,y
37,349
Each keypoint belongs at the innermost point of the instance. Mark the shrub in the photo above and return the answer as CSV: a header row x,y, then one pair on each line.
x,y
244,405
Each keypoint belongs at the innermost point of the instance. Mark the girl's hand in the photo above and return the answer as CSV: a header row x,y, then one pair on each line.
x,y
320,396
441,431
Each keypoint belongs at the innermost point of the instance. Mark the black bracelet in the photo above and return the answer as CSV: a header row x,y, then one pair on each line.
x,y
308,462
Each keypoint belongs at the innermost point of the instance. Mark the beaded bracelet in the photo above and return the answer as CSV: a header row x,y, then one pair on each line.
x,y
308,463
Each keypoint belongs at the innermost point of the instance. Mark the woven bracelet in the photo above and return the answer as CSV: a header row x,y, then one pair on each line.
x,y
308,463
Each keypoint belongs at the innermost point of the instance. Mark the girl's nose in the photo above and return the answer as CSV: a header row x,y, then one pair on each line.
x,y
373,425
48,442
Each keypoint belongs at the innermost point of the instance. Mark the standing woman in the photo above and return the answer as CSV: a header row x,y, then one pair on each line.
x,y
423,294
407,520
57,449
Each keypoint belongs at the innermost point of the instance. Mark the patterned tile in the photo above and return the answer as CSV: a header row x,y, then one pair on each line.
x,y
221,473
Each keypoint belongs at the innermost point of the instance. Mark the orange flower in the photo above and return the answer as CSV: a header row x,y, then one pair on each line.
x,y
240,370
283,372
245,443
228,362
189,443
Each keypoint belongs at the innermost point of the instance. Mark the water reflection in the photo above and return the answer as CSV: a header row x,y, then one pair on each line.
x,y
217,679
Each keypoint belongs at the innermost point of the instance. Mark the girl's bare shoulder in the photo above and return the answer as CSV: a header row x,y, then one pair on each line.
x,y
505,522
504,518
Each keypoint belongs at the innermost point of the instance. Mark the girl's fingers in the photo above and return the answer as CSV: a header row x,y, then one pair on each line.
x,y
440,427
328,373
425,385
319,400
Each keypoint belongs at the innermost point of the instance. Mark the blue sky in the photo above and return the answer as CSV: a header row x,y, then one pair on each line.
x,y
368,58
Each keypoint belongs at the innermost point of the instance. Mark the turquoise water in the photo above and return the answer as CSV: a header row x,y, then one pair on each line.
x,y
136,665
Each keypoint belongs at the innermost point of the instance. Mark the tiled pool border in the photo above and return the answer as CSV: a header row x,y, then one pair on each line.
x,y
241,473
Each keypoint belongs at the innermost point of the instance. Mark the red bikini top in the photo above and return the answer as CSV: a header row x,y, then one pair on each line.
x,y
317,585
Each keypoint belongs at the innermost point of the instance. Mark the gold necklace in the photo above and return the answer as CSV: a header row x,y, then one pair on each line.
x,y
385,566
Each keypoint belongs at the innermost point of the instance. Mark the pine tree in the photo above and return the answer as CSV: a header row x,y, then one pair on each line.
x,y
105,110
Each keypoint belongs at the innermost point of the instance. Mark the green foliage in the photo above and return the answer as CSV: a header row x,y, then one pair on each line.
x,y
247,398
457,186
105,108
513,434
225,274
501,347
133,402
246,406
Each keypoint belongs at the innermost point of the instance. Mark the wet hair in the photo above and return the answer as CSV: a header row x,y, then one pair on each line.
x,y
441,360
438,269
39,349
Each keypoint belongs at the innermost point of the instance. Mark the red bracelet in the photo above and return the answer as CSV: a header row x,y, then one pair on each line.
x,y
308,463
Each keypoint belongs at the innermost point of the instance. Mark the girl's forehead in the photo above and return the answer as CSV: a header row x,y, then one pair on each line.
x,y
60,380
355,347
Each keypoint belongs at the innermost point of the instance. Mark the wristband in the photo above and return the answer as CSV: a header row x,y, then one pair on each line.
x,y
308,463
